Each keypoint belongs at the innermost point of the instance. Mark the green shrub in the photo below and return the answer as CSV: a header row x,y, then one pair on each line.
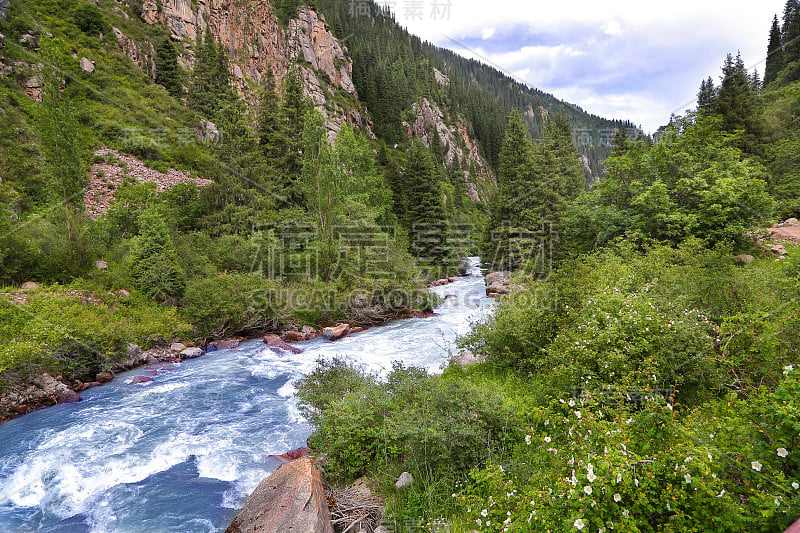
x,y
408,422
598,464
89,19
64,333
231,303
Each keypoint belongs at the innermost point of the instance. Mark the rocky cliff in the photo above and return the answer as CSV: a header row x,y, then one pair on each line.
x,y
460,149
256,42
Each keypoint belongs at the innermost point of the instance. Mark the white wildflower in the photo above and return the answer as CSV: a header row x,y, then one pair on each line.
x,y
755,465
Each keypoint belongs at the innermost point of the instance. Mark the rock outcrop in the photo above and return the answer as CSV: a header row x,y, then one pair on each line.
x,y
256,42
462,150
42,391
311,37
277,344
291,499
141,54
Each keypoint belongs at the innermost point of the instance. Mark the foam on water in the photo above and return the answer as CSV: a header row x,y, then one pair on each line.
x,y
181,453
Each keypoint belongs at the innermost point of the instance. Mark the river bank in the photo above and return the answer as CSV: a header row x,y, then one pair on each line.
x,y
44,389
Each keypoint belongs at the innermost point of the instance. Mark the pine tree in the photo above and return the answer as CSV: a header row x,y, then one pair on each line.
x,y
791,32
167,73
737,102
425,213
202,97
507,210
295,107
272,134
774,53
620,145
706,98
564,179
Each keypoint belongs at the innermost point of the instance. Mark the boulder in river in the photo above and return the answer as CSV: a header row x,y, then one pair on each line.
x,y
191,353
141,379
226,344
54,388
274,341
293,455
291,499
494,277
309,333
293,336
104,377
177,347
497,288
336,332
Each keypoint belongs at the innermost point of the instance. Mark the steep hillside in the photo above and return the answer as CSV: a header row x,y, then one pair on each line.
x,y
394,70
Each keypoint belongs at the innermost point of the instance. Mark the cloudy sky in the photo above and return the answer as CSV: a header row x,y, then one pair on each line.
x,y
636,60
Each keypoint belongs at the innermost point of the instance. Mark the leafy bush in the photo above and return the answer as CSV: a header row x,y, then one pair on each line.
x,y
89,19
686,319
693,183
231,303
408,422
597,464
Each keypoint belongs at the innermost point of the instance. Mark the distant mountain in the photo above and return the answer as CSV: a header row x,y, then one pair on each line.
x,y
393,70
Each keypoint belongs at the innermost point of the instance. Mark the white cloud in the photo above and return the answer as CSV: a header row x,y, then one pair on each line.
x,y
612,28
626,59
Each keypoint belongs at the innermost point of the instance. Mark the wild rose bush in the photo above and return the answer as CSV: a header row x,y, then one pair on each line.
x,y
603,463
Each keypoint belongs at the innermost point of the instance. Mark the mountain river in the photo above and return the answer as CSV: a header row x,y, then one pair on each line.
x,y
183,453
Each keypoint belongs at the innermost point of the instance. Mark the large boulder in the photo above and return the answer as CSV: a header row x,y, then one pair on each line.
x,y
177,347
497,288
191,353
744,259
87,65
54,388
274,341
226,344
29,41
291,500
309,333
141,379
495,277
404,481
29,286
336,332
